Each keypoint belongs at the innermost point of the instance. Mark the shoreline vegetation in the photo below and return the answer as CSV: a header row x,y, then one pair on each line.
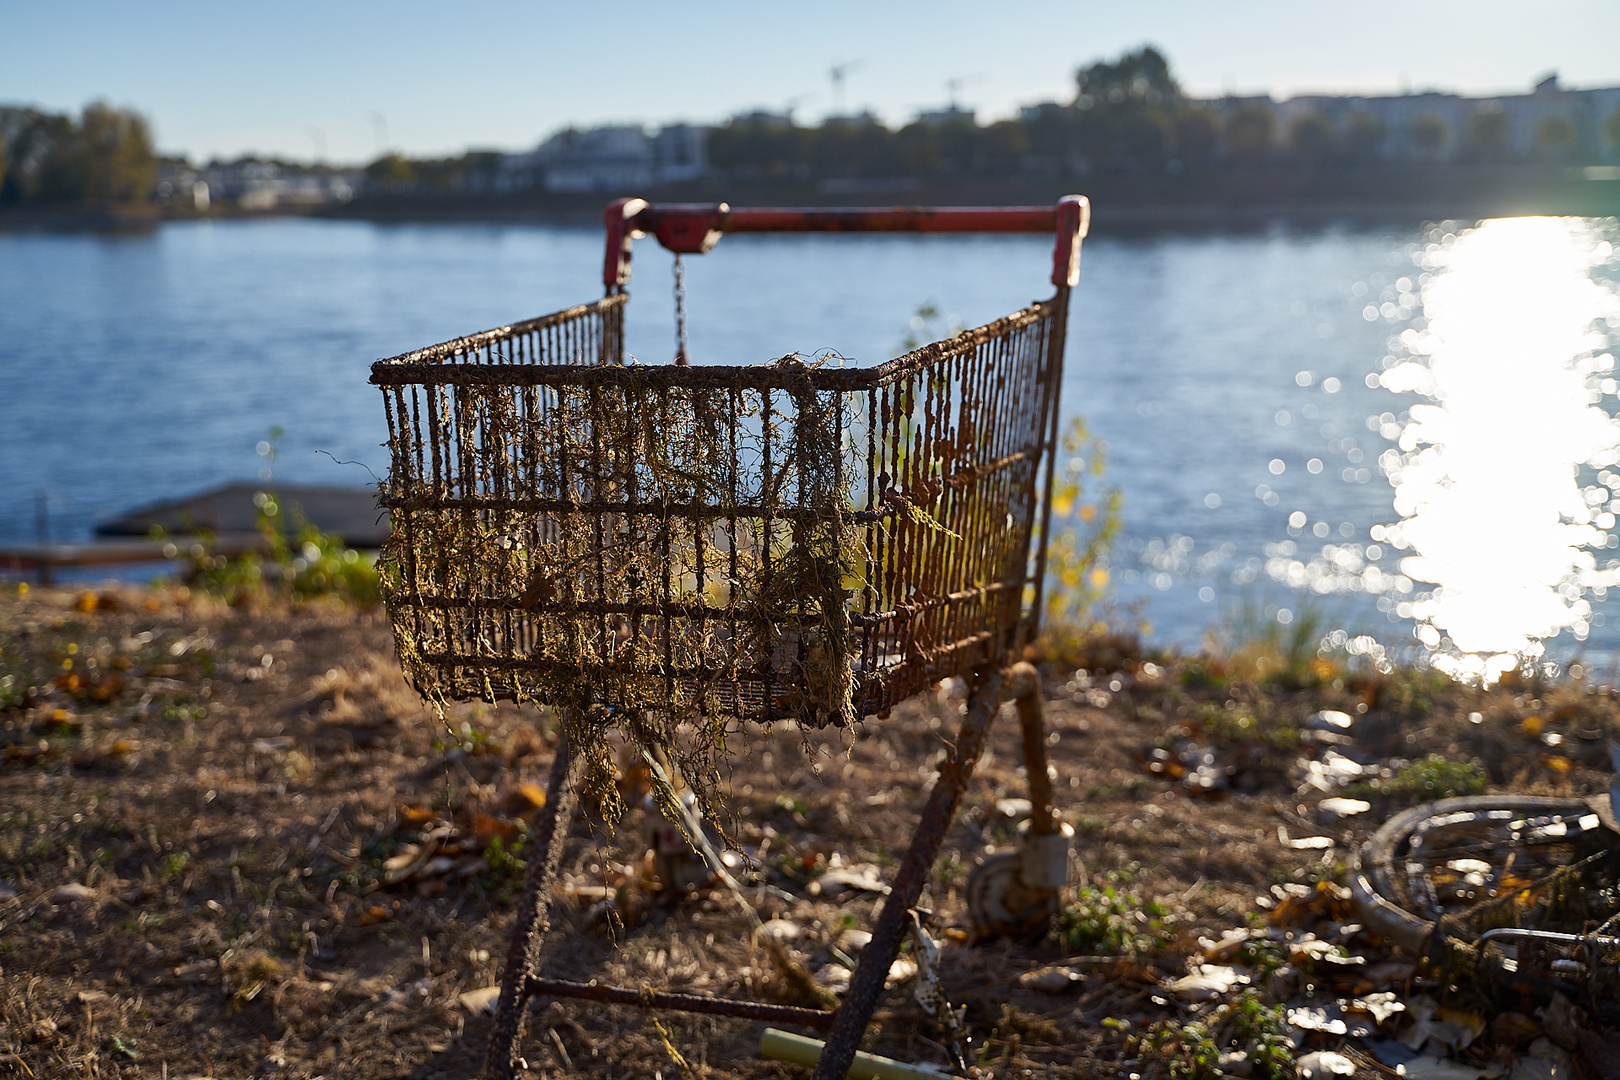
x,y
1234,200
235,841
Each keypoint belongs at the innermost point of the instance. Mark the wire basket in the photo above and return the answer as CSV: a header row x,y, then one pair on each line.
x,y
780,541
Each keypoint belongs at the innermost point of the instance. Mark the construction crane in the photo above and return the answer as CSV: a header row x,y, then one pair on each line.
x,y
837,73
954,86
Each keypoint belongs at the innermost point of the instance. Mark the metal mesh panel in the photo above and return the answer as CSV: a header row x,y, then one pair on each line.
x,y
764,542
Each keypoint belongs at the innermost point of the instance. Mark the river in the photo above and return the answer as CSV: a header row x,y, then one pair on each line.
x,y
1402,434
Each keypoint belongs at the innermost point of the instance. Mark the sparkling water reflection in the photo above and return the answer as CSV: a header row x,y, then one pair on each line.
x,y
1509,356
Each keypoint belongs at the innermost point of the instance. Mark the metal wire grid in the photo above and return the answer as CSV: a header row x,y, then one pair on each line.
x,y
560,516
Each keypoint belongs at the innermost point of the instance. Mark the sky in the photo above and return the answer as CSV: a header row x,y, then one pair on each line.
x,y
340,80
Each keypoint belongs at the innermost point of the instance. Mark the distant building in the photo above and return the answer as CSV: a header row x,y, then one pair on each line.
x,y
617,158
252,184
951,114
1442,127
763,118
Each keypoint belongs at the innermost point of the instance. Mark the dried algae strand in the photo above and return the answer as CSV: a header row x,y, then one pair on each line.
x,y
634,553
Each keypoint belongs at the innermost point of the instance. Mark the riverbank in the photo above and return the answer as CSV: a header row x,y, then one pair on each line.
x,y
234,841
1233,200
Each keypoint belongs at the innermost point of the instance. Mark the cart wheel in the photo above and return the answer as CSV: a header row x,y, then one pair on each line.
x,y
1471,859
1001,905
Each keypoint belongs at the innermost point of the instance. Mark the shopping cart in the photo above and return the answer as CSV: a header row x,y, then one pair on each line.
x,y
680,551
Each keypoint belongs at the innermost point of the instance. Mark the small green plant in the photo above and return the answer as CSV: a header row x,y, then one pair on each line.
x,y
1187,1051
1274,644
1261,1032
1106,921
1433,777
505,865
299,563
1264,955
1192,1051
1242,724
1083,530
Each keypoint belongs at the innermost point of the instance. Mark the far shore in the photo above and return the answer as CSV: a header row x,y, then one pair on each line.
x,y
1122,203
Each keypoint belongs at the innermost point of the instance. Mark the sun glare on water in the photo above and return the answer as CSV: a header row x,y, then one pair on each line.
x,y
1499,508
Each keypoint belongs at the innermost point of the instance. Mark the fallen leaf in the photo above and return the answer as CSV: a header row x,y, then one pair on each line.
x,y
1051,980
1379,1006
1434,1067
1329,720
407,855
72,893
487,827
196,971
415,815
780,929
532,794
1211,981
481,1000
1325,1063
373,915
840,879
1330,1020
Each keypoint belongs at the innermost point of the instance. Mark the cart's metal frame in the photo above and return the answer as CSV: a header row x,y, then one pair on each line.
x,y
1011,604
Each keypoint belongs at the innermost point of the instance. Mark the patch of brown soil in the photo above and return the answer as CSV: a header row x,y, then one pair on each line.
x,y
234,843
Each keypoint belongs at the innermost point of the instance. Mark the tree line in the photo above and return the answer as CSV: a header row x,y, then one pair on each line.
x,y
104,155
1128,115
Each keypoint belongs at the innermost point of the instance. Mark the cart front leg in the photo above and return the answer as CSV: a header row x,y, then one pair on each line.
x,y
528,935
878,956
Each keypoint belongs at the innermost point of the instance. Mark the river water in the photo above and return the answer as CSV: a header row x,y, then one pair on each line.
x,y
1405,434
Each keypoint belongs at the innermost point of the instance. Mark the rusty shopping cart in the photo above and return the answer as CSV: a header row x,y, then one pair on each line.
x,y
680,551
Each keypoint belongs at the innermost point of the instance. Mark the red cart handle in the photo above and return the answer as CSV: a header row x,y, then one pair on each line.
x,y
692,230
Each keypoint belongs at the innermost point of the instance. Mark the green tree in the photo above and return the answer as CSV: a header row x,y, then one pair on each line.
x,y
1248,131
1555,136
759,147
1487,132
1428,133
1002,147
1124,109
115,155
1311,137
1197,132
1363,136
1140,76
391,172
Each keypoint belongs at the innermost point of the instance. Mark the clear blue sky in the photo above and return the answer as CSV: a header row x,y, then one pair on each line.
x,y
295,77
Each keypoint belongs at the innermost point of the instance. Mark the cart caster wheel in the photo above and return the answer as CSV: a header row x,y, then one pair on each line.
x,y
1001,905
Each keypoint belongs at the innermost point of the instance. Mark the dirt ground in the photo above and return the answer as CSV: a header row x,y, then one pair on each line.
x,y
234,843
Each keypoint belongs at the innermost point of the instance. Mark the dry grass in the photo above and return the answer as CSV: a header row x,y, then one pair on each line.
x,y
229,786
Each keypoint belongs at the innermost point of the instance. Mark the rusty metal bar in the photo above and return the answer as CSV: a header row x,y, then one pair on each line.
x,y
878,956
695,1003
523,954
1024,686
1055,346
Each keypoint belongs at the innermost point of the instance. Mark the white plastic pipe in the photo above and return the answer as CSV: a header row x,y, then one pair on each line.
x,y
802,1050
